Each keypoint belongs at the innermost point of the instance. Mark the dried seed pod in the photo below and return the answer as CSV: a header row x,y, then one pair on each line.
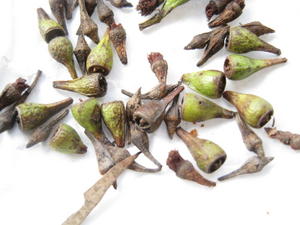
x,y
49,28
185,169
146,7
210,83
208,155
215,7
114,117
117,36
173,118
93,85
69,8
81,52
238,67
105,14
159,66
287,138
253,165
90,6
241,40
58,8
232,11
254,110
41,133
199,41
167,7
32,115
257,28
133,104
120,3
100,59
61,50
150,115
197,109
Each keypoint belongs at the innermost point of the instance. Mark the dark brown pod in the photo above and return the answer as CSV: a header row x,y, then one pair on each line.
x,y
133,104
117,36
89,4
105,14
159,66
287,138
120,3
215,7
81,52
258,28
59,9
173,118
146,7
199,41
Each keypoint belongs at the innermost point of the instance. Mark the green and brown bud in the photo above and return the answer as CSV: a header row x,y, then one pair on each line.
x,y
81,52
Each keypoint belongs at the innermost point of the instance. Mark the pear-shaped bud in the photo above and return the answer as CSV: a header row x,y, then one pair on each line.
x,y
67,140
210,83
81,52
238,67
93,85
100,59
254,110
61,50
114,117
117,35
32,115
49,28
241,40
208,156
196,109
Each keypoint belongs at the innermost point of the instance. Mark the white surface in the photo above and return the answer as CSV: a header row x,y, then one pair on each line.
x,y
41,186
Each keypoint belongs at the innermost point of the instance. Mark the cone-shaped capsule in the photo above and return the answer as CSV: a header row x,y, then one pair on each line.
x,y
210,83
241,40
67,140
215,7
159,66
196,109
254,110
61,50
105,14
100,59
146,7
93,85
173,118
58,8
117,35
258,28
49,28
32,115
81,53
199,41
208,156
238,67
114,117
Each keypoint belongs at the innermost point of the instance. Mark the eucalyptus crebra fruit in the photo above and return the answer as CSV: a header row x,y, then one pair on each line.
x,y
117,36
197,109
59,9
146,7
199,41
238,67
215,7
173,117
65,139
61,50
120,3
81,52
285,137
254,110
210,83
258,28
133,104
93,85
105,14
159,66
208,155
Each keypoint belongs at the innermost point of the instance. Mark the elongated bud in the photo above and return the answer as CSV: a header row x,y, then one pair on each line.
x,y
258,28
196,109
133,104
32,115
286,137
159,66
81,53
185,169
146,7
215,7
117,35
238,67
58,8
100,59
105,14
210,83
172,117
49,28
93,85
254,110
241,40
67,140
120,3
208,155
61,50
199,41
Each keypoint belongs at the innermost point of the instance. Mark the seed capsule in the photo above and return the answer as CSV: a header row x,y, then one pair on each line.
x,y
254,110
120,3
146,7
257,28
173,118
90,6
159,66
215,7
81,53
238,67
287,138
199,41
117,36
133,104
105,14
59,8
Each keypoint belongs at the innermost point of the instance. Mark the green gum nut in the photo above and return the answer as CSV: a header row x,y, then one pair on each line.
x,y
254,110
67,140
208,155
61,50
196,109
241,40
114,117
210,83
238,67
100,59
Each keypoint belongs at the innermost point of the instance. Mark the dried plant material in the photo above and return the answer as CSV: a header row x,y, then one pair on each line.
x,y
258,28
173,117
105,14
120,3
94,195
199,41
117,36
90,6
81,52
70,8
185,169
146,7
215,7
287,138
59,9
133,104
159,66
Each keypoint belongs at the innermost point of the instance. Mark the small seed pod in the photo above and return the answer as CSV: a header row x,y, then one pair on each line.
x,y
100,59
93,85
133,104
49,28
197,109
67,140
105,14
90,6
254,110
173,118
215,7
208,156
81,52
61,50
287,138
58,8
199,41
117,36
210,83
159,66
257,28
120,3
146,7
32,115
238,67
241,40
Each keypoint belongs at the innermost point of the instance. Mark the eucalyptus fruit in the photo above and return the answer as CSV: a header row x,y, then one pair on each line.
x,y
81,52
133,104
117,36
215,7
159,66
173,117
105,14
146,7
59,9
258,28
285,137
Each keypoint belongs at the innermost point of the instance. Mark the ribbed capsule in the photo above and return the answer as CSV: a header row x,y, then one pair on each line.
x,y
258,28
105,14
59,9
215,7
81,52
254,110
199,41
117,36
173,117
146,7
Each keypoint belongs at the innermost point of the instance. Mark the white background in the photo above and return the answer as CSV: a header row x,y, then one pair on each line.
x,y
41,186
